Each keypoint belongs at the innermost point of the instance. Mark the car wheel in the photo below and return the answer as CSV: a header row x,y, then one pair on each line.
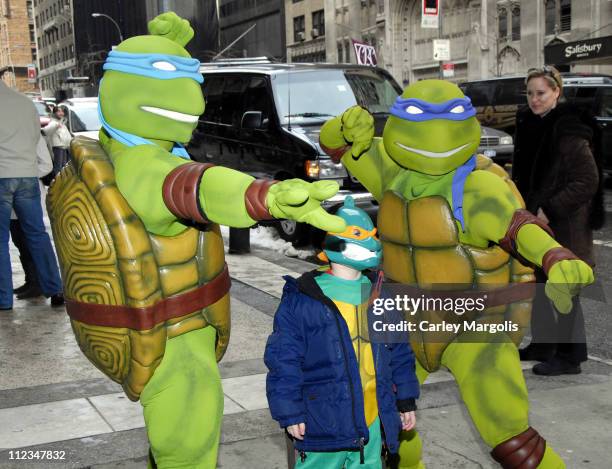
x,y
296,233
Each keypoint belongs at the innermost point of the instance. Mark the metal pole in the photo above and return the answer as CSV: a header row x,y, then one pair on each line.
x,y
96,15
239,241
440,70
234,42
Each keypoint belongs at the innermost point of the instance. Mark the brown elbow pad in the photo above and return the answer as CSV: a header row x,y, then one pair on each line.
x,y
523,451
181,191
521,217
255,199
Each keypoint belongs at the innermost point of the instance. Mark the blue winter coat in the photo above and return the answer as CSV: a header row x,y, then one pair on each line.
x,y
314,375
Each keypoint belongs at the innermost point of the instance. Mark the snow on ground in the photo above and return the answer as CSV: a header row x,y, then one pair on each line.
x,y
267,237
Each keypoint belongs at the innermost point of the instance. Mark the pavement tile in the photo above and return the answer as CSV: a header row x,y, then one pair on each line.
x,y
247,391
118,411
258,273
230,407
52,421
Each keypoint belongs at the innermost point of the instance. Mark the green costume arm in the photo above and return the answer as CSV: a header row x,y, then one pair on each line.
x,y
365,158
143,189
488,208
222,197
221,191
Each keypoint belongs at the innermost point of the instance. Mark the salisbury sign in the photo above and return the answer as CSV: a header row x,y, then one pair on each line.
x,y
588,49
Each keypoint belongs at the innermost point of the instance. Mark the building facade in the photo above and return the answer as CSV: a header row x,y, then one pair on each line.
x,y
487,37
262,22
17,45
72,44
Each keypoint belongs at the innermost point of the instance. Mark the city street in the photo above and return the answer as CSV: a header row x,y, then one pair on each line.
x,y
52,399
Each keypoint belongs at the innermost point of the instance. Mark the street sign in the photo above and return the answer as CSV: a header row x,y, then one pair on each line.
x,y
587,49
365,53
441,49
430,12
31,73
448,70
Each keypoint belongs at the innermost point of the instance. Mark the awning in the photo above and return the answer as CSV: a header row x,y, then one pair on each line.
x,y
587,49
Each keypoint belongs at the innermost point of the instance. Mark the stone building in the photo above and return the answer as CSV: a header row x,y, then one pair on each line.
x,y
487,37
17,44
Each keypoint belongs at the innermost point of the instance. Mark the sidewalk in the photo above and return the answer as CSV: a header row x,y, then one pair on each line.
x,y
53,399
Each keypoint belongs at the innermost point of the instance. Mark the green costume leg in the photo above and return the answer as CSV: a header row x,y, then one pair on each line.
x,y
411,447
347,459
183,403
493,388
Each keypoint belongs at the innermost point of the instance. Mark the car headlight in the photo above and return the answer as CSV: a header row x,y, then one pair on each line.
x,y
505,140
324,169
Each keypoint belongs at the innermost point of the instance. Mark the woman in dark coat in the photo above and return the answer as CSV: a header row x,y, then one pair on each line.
x,y
555,171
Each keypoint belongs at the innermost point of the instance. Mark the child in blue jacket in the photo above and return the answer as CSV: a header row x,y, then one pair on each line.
x,y
335,392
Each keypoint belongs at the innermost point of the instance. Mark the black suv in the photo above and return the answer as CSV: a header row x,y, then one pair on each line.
x,y
264,119
497,100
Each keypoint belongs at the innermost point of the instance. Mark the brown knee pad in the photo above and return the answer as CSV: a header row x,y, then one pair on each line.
x,y
523,451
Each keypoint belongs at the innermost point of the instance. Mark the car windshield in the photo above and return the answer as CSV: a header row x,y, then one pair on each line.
x,y
41,108
84,118
315,96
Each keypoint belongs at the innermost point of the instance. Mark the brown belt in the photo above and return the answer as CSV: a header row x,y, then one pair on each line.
x,y
144,318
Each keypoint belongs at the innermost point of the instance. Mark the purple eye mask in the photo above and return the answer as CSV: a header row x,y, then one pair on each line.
x,y
457,109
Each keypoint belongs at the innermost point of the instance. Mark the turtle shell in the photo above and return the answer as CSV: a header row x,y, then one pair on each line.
x,y
107,257
421,247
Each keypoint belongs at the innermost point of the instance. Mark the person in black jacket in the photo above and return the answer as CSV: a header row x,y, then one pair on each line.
x,y
556,172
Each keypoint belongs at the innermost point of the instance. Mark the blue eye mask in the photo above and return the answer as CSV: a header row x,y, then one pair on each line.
x,y
159,66
417,110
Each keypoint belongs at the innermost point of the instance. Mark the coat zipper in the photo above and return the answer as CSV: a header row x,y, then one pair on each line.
x,y
346,367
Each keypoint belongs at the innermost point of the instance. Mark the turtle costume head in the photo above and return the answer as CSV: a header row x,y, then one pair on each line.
x,y
357,246
151,87
432,128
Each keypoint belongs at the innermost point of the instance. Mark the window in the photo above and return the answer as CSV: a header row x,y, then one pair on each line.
x,y
318,22
298,27
503,24
551,13
558,16
258,99
565,15
224,97
340,54
606,103
516,24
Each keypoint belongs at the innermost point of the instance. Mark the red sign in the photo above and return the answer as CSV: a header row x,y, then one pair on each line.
x,y
31,73
430,7
448,69
365,53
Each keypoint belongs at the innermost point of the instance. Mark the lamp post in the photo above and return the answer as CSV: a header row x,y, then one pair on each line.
x,y
97,15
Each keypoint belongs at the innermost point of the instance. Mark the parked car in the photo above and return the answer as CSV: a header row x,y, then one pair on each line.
x,y
264,119
43,112
496,144
82,115
497,100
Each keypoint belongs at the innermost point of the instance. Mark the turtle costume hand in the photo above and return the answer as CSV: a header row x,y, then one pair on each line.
x,y
565,280
299,200
450,217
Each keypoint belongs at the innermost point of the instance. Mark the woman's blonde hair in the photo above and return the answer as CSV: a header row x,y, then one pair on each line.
x,y
550,74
